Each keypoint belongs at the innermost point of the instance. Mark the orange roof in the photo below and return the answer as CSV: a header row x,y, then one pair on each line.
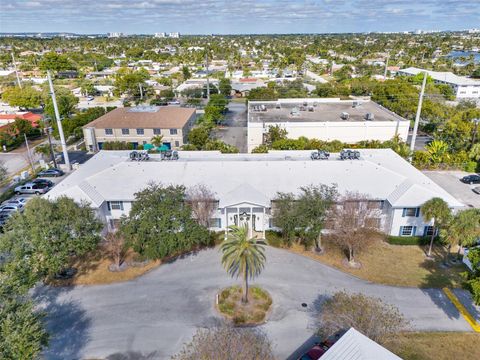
x,y
33,118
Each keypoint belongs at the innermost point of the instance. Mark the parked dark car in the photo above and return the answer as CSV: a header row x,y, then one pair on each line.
x,y
47,182
471,179
51,172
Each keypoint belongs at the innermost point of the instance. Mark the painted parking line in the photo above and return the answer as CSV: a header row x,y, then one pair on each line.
x,y
467,316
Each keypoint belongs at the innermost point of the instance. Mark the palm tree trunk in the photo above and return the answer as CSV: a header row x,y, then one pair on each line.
x,y
431,242
245,286
445,260
318,242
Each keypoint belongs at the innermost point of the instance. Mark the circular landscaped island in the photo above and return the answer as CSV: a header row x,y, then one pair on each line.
x,y
253,312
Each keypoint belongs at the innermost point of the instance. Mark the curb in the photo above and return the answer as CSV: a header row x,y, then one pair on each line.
x,y
467,316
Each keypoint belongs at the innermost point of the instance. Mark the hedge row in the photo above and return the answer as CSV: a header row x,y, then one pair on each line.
x,y
408,240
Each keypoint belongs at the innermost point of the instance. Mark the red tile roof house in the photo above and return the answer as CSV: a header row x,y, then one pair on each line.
x,y
6,120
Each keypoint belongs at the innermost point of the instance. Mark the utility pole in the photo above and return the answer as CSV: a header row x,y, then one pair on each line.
x,y
28,154
141,91
49,131
59,123
16,71
475,121
208,80
417,116
386,66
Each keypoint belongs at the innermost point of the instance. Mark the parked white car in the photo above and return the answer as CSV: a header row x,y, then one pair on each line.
x,y
11,207
18,201
31,188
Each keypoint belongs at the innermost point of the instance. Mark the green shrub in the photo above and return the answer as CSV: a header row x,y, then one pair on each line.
x,y
274,238
408,240
470,166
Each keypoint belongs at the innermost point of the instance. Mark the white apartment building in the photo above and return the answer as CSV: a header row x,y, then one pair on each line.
x,y
326,119
246,185
463,87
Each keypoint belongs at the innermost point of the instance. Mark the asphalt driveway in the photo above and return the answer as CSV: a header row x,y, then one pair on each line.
x,y
155,314
234,131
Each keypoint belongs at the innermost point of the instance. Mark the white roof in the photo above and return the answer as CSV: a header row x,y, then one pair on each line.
x,y
447,77
255,178
353,345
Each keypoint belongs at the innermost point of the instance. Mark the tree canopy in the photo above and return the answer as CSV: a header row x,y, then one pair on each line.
x,y
160,223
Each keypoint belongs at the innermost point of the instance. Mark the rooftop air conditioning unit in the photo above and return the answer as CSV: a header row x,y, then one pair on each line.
x,y
369,116
278,106
310,108
355,104
344,115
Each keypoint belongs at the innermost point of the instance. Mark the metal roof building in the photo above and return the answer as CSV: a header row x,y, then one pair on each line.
x,y
246,184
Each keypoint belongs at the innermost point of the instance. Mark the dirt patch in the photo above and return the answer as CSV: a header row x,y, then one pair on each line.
x,y
93,269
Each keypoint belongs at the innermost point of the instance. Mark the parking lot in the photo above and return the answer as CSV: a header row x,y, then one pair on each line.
x,y
6,207
450,181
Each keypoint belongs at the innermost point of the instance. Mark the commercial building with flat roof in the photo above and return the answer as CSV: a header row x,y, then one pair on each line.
x,y
137,125
246,185
462,86
326,119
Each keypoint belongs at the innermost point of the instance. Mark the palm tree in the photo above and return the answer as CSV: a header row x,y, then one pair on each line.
x,y
437,211
463,229
157,140
242,256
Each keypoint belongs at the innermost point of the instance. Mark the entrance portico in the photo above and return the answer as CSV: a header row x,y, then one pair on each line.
x,y
255,216
245,205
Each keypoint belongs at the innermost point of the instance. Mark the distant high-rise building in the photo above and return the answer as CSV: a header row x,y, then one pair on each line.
x,y
115,34
174,35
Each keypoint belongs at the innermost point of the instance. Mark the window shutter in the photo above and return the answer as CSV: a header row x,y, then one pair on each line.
x,y
417,213
401,229
121,205
108,206
404,212
414,232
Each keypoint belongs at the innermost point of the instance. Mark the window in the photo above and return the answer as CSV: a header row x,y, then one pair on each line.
x,y
157,131
216,223
177,143
428,231
406,231
140,131
115,205
411,212
125,131
144,142
173,131
108,131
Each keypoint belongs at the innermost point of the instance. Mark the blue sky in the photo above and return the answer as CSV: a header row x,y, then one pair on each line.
x,y
236,17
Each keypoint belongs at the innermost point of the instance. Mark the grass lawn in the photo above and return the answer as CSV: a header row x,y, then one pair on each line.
x,y
399,265
436,346
93,270
254,312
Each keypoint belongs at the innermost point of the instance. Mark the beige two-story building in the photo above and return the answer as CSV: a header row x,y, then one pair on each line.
x,y
138,125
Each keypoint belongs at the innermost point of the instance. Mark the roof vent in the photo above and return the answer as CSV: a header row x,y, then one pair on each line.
x,y
169,155
144,109
139,156
344,115
369,116
295,112
320,155
356,104
349,155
